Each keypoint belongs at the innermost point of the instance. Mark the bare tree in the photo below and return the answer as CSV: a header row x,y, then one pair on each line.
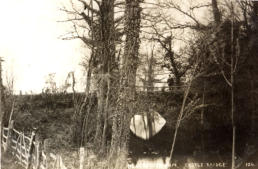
x,y
149,69
8,95
50,84
183,108
161,24
174,62
191,21
99,21
223,63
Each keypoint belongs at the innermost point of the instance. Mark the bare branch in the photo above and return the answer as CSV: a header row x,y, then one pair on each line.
x,y
87,6
237,55
171,26
119,3
226,79
73,19
220,66
178,8
200,6
87,18
119,19
68,11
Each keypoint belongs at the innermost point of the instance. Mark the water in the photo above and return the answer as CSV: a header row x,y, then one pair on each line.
x,y
183,162
150,163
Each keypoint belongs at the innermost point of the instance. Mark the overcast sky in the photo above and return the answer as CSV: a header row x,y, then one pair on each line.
x,y
30,46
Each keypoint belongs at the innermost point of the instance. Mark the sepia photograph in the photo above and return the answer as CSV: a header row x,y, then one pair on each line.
x,y
129,84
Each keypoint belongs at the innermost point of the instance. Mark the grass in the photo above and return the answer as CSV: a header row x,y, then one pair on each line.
x,y
9,162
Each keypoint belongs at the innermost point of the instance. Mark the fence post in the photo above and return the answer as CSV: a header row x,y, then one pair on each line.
x,y
62,166
46,160
59,162
82,154
9,135
30,150
37,155
21,138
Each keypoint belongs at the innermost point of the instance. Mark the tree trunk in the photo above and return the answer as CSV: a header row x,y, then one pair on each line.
x,y
180,118
202,119
216,12
103,143
178,81
100,110
232,88
126,97
87,98
107,47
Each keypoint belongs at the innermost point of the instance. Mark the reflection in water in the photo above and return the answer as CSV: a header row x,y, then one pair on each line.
x,y
163,163
150,163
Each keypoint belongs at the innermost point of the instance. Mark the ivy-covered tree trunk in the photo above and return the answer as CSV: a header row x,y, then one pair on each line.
x,y
216,12
126,96
107,59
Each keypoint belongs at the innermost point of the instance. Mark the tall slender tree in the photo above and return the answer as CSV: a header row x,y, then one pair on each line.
x,y
98,20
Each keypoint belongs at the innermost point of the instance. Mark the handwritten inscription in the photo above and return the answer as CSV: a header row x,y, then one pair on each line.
x,y
216,165
203,165
249,164
211,165
190,165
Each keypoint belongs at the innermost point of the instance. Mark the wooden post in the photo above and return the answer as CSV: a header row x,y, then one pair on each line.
x,y
30,150
62,166
24,144
57,163
37,155
9,134
82,155
44,159
21,146
10,128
